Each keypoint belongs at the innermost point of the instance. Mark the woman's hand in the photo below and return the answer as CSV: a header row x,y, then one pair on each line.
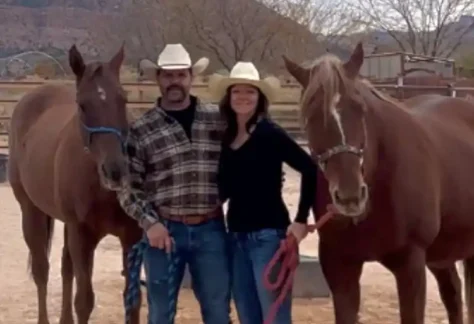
x,y
298,230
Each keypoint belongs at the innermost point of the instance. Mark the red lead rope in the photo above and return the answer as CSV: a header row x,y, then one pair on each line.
x,y
289,254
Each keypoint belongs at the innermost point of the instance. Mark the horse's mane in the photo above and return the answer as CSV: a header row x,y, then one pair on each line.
x,y
326,81
379,94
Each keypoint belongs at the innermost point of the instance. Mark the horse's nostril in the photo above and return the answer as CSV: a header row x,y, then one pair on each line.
x,y
115,175
112,172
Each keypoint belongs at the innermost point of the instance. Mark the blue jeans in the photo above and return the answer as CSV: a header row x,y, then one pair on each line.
x,y
205,249
251,252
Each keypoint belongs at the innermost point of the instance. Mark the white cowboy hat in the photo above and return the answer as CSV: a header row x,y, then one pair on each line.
x,y
243,73
173,57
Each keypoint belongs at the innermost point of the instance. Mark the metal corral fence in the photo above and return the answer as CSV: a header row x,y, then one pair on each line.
x,y
141,96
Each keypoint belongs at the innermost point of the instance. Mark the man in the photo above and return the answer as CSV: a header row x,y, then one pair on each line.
x,y
173,153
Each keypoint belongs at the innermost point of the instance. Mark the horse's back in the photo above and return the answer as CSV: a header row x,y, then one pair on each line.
x,y
37,123
37,102
446,118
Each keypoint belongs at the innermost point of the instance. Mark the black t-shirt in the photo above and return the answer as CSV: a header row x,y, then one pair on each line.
x,y
184,117
251,178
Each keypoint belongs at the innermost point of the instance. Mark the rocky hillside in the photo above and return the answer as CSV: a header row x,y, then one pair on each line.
x,y
84,4
52,25
206,27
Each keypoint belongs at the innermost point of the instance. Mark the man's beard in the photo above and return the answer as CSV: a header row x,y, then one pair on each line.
x,y
175,99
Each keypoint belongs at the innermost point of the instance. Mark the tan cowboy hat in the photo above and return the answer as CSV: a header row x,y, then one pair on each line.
x,y
243,73
173,57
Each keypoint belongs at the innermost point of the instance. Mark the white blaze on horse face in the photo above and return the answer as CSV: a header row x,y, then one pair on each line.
x,y
101,92
353,209
337,116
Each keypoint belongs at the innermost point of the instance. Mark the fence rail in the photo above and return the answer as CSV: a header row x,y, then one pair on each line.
x,y
142,95
138,107
27,85
289,93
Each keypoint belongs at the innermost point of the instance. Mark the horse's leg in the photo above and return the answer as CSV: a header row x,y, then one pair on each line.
x,y
343,279
37,231
449,285
67,278
127,241
408,267
82,243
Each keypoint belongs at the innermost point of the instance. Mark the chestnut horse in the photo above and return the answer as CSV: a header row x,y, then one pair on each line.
x,y
66,159
401,179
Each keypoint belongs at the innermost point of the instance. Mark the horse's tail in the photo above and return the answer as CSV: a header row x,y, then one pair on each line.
x,y
469,288
49,235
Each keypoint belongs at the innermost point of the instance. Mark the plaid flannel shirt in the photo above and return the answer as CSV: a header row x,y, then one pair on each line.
x,y
168,170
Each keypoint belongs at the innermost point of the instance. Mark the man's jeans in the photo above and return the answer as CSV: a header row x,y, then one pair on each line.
x,y
251,252
205,249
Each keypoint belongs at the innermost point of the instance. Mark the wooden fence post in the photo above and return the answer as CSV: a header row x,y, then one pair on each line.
x,y
452,90
400,93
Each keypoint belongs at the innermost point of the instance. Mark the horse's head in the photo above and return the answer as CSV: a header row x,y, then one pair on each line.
x,y
101,103
333,114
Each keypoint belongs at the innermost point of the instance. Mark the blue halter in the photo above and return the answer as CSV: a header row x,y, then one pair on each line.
x,y
103,130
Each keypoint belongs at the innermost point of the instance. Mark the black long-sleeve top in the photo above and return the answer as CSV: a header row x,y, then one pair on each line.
x,y
251,178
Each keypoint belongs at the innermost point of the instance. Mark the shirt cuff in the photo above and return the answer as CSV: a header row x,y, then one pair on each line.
x,y
147,222
302,218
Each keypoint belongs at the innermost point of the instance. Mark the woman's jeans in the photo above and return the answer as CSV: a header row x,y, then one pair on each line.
x,y
251,252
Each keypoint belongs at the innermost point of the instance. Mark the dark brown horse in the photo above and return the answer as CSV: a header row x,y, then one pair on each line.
x,y
66,160
402,181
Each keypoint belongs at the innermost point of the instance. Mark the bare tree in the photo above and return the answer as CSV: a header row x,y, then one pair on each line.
x,y
230,30
428,27
234,30
330,20
143,26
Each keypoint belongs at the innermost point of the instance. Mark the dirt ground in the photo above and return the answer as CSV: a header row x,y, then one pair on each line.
x,y
18,292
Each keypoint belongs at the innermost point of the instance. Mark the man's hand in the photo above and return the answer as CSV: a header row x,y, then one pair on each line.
x,y
159,237
298,230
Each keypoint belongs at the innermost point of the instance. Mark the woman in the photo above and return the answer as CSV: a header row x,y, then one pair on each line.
x,y
250,176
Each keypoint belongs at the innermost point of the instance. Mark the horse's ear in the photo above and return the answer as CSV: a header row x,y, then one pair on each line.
x,y
300,73
353,65
116,61
76,62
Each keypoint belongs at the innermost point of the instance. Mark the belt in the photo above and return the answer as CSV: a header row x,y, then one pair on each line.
x,y
191,219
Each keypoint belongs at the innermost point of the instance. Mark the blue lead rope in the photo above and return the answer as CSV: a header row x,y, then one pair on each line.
x,y
173,286
134,265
